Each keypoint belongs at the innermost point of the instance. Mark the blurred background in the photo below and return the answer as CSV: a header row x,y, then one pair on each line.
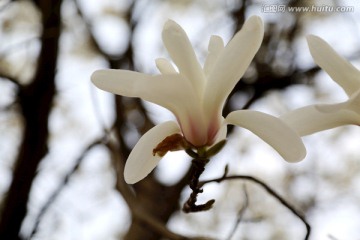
x,y
63,143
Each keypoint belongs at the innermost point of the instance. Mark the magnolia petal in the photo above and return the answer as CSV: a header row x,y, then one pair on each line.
x,y
339,69
273,131
332,108
233,62
182,53
354,104
165,66
316,118
222,133
121,82
170,91
216,45
141,160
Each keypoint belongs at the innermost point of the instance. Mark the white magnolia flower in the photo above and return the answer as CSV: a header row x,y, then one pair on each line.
x,y
319,117
196,96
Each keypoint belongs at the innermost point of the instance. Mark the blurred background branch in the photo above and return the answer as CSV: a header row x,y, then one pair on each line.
x,y
35,103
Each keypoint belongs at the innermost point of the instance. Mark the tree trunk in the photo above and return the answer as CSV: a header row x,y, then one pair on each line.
x,y
35,102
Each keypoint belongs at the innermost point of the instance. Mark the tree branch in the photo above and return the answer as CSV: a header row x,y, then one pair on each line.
x,y
10,79
35,101
240,214
63,183
269,190
159,227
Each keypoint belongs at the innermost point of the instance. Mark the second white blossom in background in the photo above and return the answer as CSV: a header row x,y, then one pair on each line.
x,y
196,96
319,117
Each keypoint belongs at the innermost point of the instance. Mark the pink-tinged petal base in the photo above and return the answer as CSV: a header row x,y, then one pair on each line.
x,y
273,131
222,133
141,160
200,132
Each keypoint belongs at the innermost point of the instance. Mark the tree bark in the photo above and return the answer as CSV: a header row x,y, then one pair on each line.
x,y
35,102
159,201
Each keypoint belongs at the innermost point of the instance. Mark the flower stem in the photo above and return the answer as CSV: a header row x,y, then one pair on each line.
x,y
200,158
197,168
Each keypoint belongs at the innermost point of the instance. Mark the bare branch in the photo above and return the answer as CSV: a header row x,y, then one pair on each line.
x,y
240,214
159,227
269,190
89,27
62,185
10,79
35,105
331,237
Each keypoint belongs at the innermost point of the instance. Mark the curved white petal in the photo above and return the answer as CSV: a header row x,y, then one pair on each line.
x,y
216,46
273,131
141,160
232,63
182,53
171,91
222,133
316,118
354,105
339,69
121,82
165,66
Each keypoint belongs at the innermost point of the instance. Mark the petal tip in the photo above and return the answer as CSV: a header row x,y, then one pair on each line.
x,y
96,77
312,37
254,23
298,156
215,43
314,41
130,179
171,25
